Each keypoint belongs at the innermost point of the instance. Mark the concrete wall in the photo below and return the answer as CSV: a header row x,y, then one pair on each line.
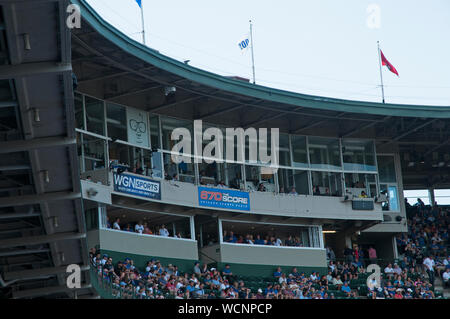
x,y
147,245
186,194
93,239
271,255
210,254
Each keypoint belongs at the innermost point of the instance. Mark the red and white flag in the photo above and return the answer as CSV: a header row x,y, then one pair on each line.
x,y
388,64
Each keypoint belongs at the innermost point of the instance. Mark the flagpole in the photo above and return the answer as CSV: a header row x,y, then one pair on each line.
x,y
142,19
253,57
381,71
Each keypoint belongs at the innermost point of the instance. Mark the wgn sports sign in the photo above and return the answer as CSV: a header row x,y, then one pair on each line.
x,y
136,185
220,198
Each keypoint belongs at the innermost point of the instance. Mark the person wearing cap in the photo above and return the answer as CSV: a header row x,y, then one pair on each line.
x,y
398,294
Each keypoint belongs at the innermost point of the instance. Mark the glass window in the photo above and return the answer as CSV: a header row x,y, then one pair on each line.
x,y
79,112
386,169
156,165
324,153
154,131
392,197
299,153
285,180
93,151
116,121
252,177
301,182
168,125
183,172
233,175
211,174
360,185
268,234
284,153
327,183
358,155
95,116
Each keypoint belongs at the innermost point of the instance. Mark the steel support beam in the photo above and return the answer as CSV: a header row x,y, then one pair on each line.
x,y
409,132
27,69
19,215
19,252
37,198
36,273
45,291
41,239
26,145
4,104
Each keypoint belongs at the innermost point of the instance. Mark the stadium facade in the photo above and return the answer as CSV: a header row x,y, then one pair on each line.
x,y
87,132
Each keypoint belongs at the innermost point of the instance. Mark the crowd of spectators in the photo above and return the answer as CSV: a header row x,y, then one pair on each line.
x,y
426,246
158,282
142,228
290,241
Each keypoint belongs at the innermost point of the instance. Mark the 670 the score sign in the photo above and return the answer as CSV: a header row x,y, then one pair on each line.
x,y
213,197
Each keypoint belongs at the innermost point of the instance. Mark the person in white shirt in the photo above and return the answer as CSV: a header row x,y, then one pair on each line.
x,y
139,228
429,265
446,277
278,242
282,279
163,231
389,270
397,269
372,284
116,224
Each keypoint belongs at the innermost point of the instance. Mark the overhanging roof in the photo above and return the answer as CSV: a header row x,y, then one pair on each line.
x,y
219,82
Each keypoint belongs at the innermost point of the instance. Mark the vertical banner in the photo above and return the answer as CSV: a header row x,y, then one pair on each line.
x,y
137,127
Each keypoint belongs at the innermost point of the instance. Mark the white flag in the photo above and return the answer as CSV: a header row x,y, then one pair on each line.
x,y
244,44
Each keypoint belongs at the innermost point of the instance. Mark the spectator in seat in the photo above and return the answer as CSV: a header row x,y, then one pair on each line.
x,y
277,274
316,190
429,267
293,191
346,288
163,231
446,277
389,271
139,228
338,282
116,224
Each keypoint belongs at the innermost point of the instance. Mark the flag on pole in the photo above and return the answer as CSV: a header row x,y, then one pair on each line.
x,y
139,2
244,44
388,64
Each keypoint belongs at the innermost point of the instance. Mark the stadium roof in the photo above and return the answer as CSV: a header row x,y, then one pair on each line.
x,y
259,92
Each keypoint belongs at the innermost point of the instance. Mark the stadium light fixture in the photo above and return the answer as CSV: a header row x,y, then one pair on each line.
x,y
328,231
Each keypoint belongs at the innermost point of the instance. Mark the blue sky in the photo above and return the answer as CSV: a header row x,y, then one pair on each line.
x,y
320,47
